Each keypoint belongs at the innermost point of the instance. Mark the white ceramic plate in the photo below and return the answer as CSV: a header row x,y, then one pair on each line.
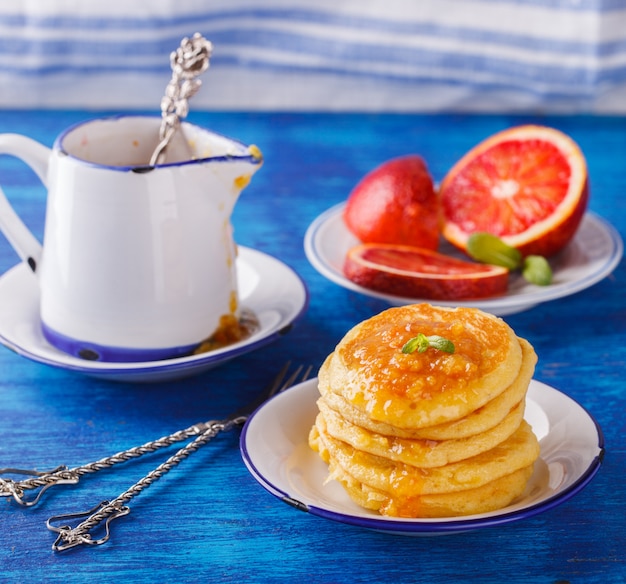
x,y
592,255
271,290
274,446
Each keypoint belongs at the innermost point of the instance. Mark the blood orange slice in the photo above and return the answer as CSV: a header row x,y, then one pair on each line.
x,y
527,185
414,272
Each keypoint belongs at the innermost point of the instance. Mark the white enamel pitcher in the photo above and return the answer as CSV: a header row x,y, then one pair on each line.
x,y
138,261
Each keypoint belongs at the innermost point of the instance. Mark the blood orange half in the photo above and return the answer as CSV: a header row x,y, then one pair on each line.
x,y
414,272
395,203
527,185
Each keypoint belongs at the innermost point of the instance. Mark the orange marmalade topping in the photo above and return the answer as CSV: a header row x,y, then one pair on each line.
x,y
481,343
230,330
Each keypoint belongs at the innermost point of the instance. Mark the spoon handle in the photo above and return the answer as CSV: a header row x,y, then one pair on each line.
x,y
107,511
188,61
40,482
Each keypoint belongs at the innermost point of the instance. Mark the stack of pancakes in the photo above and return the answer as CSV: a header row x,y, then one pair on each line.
x,y
432,433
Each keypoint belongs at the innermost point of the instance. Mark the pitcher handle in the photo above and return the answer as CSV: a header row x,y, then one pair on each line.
x,y
37,156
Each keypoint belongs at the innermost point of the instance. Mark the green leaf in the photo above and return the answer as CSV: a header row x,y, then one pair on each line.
x,y
418,343
421,343
490,249
441,343
537,270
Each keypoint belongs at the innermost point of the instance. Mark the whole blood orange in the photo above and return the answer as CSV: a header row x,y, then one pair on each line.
x,y
413,272
527,185
395,203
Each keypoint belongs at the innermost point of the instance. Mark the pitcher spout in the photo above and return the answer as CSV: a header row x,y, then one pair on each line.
x,y
241,174
230,162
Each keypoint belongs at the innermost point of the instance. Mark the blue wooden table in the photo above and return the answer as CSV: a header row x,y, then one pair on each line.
x,y
209,519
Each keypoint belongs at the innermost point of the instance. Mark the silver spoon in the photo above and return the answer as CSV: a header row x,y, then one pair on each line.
x,y
188,61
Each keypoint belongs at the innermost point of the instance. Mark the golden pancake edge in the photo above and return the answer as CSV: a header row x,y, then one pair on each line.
x,y
369,370
432,433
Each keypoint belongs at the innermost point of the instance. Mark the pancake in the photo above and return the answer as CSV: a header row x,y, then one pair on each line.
x,y
418,390
480,420
403,480
429,433
489,497
421,453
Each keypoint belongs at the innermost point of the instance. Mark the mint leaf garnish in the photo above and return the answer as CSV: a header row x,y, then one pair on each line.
x,y
422,343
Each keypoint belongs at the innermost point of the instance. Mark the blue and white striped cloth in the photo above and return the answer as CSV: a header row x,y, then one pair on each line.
x,y
359,55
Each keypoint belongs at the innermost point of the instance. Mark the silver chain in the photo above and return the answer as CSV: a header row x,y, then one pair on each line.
x,y
108,511
64,475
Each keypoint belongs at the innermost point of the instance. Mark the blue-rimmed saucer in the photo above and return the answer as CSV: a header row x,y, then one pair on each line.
x,y
268,288
591,256
274,446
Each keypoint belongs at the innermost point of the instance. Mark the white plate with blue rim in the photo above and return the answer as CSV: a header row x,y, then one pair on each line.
x,y
274,447
591,256
271,291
